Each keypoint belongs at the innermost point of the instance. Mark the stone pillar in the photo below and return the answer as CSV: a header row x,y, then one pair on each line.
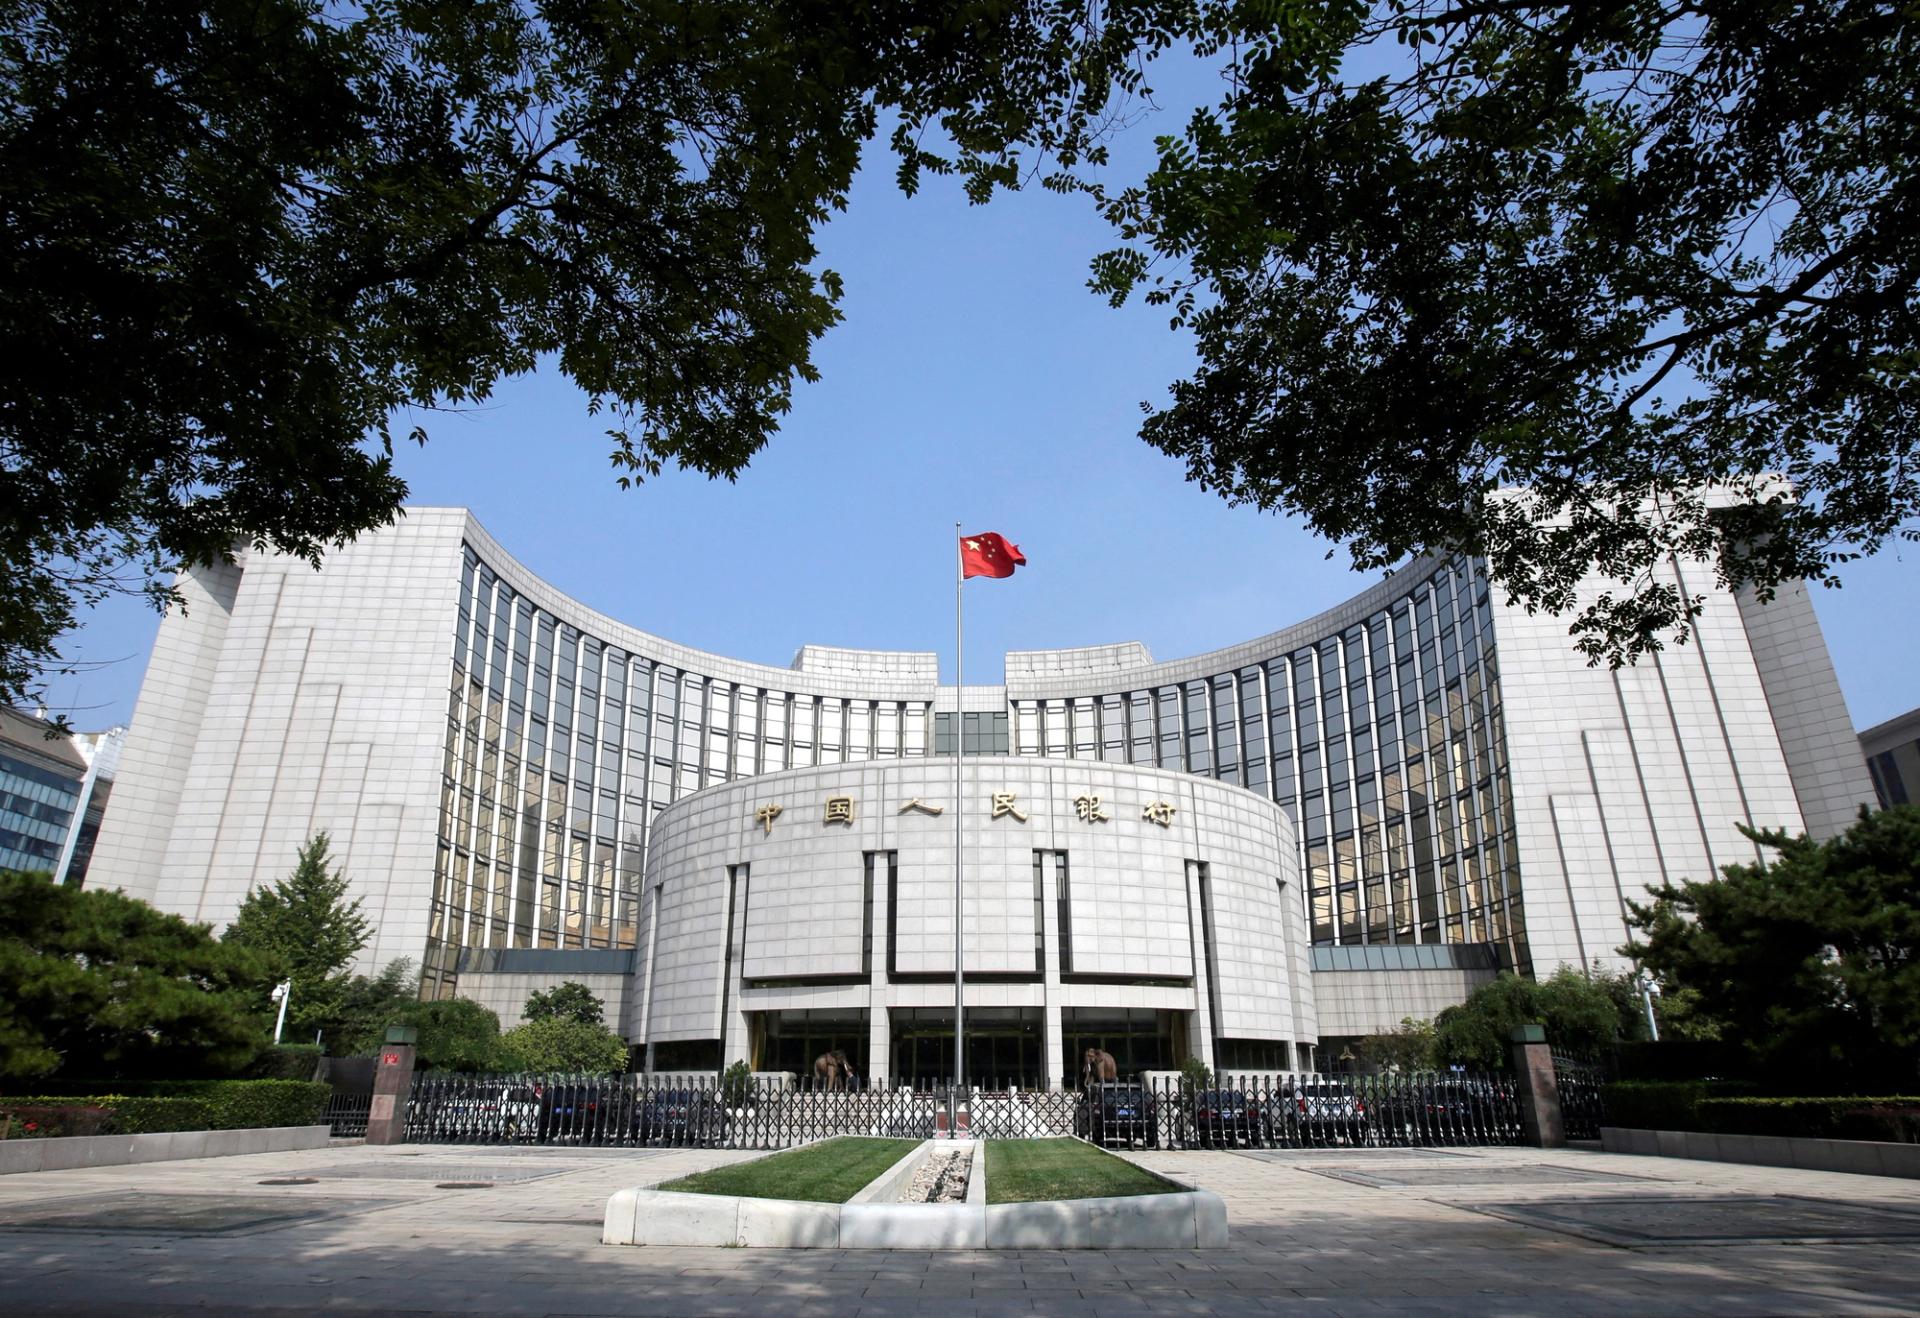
x,y
392,1084
1200,1019
879,1044
1537,1089
1053,1046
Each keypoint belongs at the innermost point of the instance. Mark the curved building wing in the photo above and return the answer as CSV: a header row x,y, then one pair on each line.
x,y
506,774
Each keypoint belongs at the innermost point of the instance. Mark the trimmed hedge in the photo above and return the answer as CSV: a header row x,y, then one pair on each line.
x,y
1730,1108
22,1122
191,1105
1662,1104
285,1061
1681,1059
1893,1119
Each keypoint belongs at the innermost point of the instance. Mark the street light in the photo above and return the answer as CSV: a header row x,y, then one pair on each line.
x,y
1648,990
281,992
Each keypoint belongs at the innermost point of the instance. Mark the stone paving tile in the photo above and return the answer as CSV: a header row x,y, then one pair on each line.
x,y
1301,1242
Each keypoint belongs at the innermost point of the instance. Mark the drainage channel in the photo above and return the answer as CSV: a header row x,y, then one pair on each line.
x,y
940,1179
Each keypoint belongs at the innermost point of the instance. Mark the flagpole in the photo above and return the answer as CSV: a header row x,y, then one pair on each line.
x,y
959,816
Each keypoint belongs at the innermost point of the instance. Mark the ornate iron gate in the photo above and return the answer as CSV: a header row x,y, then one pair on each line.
x,y
1425,1109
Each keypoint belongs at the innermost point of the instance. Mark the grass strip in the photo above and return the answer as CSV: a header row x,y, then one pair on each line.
x,y
830,1172
1021,1171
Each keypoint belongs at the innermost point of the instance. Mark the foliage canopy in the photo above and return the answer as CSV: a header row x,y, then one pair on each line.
x,y
454,1034
370,1003
244,239
306,930
568,1000
1810,960
1616,254
1408,1048
96,984
563,1044
1582,1013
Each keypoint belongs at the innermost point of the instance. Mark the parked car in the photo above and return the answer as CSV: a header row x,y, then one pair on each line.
x,y
693,1117
482,1114
1449,1107
1320,1112
1119,1114
1226,1116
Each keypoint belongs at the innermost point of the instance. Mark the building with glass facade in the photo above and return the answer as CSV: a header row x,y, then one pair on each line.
x,y
501,769
1893,758
53,795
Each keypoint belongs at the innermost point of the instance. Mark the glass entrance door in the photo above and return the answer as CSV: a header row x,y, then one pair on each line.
x,y
1003,1047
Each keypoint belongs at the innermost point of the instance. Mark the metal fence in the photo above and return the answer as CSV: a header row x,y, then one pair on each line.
x,y
1240,1111
1407,1110
347,1112
637,1111
1582,1109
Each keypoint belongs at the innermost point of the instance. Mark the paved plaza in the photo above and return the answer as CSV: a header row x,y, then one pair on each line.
x,y
421,1230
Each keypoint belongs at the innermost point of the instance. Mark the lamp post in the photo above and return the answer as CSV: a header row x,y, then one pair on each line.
x,y
281,992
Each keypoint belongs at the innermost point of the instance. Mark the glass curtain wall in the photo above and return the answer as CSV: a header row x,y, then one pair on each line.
x,y
562,747
1383,743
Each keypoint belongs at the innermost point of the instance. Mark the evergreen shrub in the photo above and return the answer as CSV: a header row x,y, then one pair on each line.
x,y
177,1105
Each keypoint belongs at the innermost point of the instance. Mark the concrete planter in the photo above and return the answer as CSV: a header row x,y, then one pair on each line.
x,y
1865,1157
1188,1219
58,1155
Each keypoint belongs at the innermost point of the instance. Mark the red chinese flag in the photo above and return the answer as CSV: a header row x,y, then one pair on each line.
x,y
989,554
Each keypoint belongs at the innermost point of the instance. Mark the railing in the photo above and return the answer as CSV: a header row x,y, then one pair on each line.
x,y
1242,1111
1412,1110
347,1113
1582,1106
635,1112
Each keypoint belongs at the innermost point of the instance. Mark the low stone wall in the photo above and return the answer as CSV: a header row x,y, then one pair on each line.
x,y
1866,1157
56,1155
886,1187
1188,1219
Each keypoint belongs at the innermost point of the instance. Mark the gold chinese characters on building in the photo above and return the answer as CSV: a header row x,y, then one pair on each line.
x,y
917,804
839,810
1088,807
1003,805
1159,812
766,814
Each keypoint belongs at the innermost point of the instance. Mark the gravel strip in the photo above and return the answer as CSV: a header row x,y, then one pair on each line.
x,y
942,1179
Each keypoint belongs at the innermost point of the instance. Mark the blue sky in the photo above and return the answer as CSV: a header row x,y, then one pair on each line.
x,y
974,380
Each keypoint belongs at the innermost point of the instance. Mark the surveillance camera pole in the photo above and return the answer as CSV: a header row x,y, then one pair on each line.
x,y
281,993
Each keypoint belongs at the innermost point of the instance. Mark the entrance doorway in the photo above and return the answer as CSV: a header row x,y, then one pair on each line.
x,y
791,1040
1003,1047
1140,1038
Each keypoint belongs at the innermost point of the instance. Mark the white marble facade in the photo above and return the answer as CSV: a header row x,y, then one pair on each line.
x,y
1421,765
815,921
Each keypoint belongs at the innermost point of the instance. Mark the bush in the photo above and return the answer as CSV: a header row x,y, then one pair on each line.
x,y
33,1120
95,981
455,1034
1582,1011
190,1105
557,1044
1682,1059
1730,1108
1895,1119
1409,1048
1810,958
1657,1104
290,1061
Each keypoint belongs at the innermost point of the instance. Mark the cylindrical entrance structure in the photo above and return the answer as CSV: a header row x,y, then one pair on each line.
x,y
1148,915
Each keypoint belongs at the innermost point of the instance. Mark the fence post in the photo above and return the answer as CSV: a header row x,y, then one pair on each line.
x,y
392,1084
1539,1091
